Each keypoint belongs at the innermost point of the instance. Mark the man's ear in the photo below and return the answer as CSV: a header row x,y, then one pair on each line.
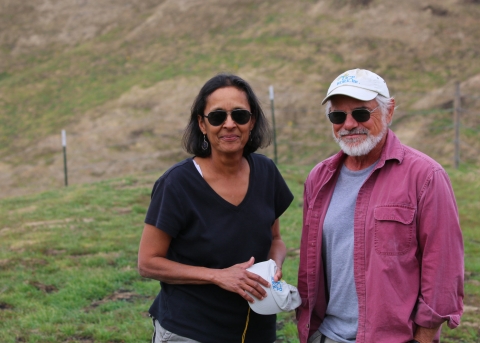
x,y
391,110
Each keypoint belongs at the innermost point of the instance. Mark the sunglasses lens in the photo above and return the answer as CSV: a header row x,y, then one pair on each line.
x,y
216,118
337,117
241,116
361,115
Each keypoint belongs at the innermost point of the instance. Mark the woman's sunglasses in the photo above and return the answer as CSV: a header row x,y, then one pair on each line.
x,y
360,115
217,118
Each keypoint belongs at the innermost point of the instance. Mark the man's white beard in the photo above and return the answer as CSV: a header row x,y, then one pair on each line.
x,y
352,147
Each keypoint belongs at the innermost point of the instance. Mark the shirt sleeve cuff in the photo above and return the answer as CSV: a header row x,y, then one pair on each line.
x,y
429,318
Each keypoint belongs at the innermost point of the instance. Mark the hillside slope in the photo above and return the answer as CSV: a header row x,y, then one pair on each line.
x,y
120,76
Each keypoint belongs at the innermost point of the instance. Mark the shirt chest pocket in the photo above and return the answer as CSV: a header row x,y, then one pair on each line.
x,y
394,229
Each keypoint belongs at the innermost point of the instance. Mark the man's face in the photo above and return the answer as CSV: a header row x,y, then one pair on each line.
x,y
359,138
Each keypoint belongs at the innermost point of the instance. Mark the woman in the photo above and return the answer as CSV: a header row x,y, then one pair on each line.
x,y
213,216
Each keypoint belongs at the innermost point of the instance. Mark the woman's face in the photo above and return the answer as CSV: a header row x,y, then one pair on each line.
x,y
229,137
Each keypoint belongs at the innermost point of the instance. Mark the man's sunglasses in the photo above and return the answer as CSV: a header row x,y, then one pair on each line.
x,y
360,115
218,117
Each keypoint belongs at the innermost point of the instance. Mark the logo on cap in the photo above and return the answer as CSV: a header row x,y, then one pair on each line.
x,y
345,78
277,285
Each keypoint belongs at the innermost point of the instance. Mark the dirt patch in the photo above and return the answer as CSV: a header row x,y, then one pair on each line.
x,y
80,339
42,287
54,252
23,210
6,264
471,312
120,295
122,210
5,306
56,222
436,10
3,263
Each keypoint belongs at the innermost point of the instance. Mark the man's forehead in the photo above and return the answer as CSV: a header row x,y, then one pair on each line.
x,y
343,100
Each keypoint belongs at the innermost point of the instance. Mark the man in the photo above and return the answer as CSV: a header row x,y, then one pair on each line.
x,y
381,258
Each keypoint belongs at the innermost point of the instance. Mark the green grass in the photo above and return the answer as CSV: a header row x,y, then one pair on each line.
x,y
68,261
466,184
63,252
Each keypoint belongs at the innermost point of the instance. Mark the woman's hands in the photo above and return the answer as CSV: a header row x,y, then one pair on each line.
x,y
239,280
152,263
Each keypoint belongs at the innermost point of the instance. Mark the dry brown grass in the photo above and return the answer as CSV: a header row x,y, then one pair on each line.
x,y
298,46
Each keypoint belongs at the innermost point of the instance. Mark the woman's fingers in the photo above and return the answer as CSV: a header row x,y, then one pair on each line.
x,y
255,283
239,280
278,275
256,291
258,279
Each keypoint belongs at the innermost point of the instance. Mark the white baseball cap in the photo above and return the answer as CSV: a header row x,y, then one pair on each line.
x,y
280,295
360,84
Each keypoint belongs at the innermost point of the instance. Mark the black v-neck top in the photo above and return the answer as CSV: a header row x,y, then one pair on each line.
x,y
209,231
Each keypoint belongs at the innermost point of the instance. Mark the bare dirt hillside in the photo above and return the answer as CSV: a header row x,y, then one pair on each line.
x,y
120,76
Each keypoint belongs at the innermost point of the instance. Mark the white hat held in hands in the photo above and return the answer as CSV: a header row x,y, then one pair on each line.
x,y
280,295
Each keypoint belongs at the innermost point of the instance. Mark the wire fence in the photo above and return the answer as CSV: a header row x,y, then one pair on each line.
x,y
303,140
303,134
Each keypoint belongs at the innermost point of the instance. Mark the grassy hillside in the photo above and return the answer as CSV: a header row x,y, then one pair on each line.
x,y
68,262
120,76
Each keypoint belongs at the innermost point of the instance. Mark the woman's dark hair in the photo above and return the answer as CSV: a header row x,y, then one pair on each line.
x,y
193,136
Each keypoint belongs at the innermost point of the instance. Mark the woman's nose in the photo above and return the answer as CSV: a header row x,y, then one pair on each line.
x,y
229,122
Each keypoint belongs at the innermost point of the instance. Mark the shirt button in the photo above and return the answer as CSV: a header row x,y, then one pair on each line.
x,y
308,326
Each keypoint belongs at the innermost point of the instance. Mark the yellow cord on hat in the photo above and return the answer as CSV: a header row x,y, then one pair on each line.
x,y
246,326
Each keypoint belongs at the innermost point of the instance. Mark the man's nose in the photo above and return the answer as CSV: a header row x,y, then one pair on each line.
x,y
350,122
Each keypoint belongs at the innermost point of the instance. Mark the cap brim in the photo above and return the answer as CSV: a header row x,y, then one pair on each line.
x,y
266,306
352,92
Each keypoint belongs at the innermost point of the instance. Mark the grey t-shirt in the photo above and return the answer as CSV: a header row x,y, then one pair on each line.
x,y
341,320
